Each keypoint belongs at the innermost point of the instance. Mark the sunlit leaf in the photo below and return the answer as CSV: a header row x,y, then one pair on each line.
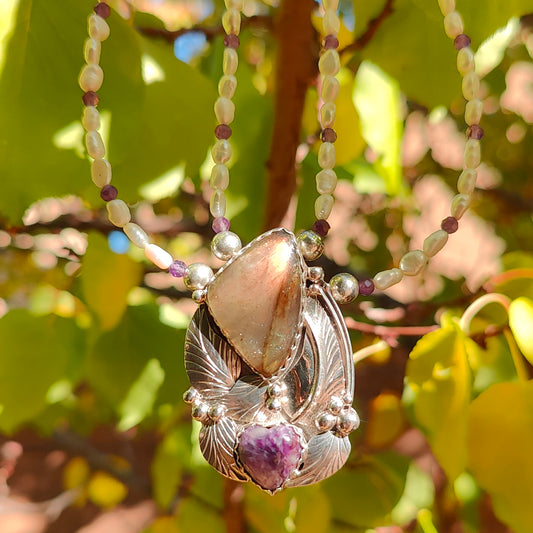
x,y
386,420
192,512
521,323
313,510
76,473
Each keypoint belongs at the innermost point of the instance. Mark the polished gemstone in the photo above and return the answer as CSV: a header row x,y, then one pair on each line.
x,y
256,300
269,455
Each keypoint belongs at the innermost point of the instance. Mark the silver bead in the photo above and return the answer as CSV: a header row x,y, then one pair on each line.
x,y
225,245
347,421
275,390
199,295
335,405
344,288
274,404
325,422
190,395
198,276
200,411
315,273
217,412
347,399
310,245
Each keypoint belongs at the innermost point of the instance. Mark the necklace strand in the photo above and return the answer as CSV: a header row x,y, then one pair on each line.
x,y
225,244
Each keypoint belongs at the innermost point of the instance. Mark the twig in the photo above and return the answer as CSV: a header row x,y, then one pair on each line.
x,y
389,331
234,507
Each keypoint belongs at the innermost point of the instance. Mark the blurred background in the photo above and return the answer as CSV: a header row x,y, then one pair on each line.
x,y
94,436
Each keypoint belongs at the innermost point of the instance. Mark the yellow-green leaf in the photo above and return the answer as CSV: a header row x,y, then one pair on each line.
x,y
500,442
521,322
105,490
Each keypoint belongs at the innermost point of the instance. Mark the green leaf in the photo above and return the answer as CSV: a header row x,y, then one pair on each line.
x,y
266,513
521,323
193,514
106,280
500,440
313,510
35,354
439,377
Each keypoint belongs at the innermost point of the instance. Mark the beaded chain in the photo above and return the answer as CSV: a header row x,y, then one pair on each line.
x,y
225,244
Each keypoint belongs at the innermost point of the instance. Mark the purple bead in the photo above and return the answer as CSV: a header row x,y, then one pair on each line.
x,y
231,41
450,225
90,98
270,455
475,131
321,227
461,41
329,135
222,131
108,193
220,224
330,41
178,269
366,287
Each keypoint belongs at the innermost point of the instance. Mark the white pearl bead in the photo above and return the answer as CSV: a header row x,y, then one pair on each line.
x,y
435,242
227,86
159,257
225,245
330,22
220,177
198,276
233,4
471,86
460,204
230,61
136,235
91,118
95,145
387,278
118,213
327,115
91,78
221,151
446,6
465,60
224,110
453,24
326,155
467,181
98,27
92,50
473,111
330,88
217,204
472,153
326,181
231,21
329,63
413,262
330,4
323,206
101,172
344,288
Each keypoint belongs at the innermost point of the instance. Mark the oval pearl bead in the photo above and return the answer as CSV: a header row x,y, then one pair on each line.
x,y
323,206
413,262
330,22
471,86
231,21
225,245
326,155
159,257
198,276
472,153
95,145
326,181
446,6
434,243
118,213
233,4
98,27
220,177
453,24
473,111
327,115
91,78
227,86
467,181
217,204
465,60
136,235
221,151
224,110
460,204
330,88
230,61
344,288
329,63
387,278
330,4
92,51
91,118
101,172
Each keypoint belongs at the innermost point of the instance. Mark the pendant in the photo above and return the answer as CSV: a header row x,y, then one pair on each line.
x,y
270,364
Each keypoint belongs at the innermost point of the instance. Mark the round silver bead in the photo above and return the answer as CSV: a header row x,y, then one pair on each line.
x,y
198,276
199,295
344,288
274,404
335,405
275,390
200,411
315,273
217,412
225,245
347,399
325,422
190,395
310,245
347,421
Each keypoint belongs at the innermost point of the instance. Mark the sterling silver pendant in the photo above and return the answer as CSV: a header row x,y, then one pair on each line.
x,y
270,365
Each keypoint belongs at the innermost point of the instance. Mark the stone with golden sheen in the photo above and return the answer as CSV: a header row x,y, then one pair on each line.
x,y
256,300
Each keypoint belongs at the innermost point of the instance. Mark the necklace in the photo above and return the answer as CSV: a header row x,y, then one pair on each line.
x,y
267,352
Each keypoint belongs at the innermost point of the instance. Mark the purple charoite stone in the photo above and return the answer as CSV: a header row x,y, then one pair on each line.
x,y
270,454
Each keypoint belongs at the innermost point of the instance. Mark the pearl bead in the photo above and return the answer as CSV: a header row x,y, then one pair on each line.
x,y
231,21
225,245
453,24
330,88
471,86
230,61
200,411
348,421
329,63
472,153
325,422
330,4
465,60
227,86
413,262
344,288
217,204
233,4
101,172
159,257
98,28
92,51
387,278
310,245
91,118
446,6
326,155
460,203
323,206
224,110
220,177
198,276
118,213
434,243
190,395
136,235
222,151
327,115
95,145
326,181
467,181
91,78
473,111
330,22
